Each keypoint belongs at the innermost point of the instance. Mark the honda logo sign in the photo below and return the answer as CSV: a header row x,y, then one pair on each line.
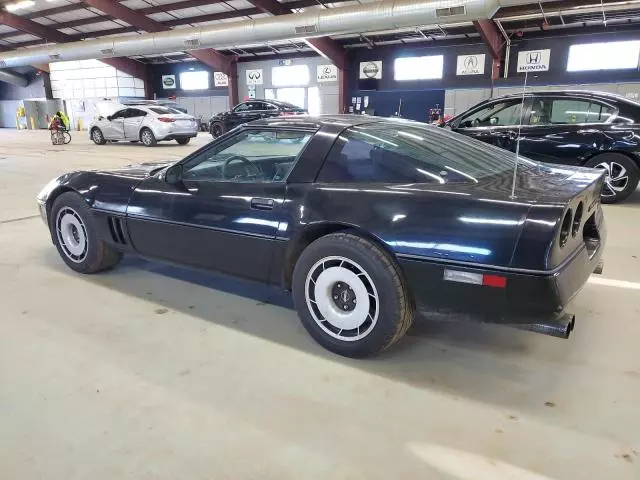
x,y
534,60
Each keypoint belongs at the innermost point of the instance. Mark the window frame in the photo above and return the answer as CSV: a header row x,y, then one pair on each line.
x,y
582,98
236,109
247,129
526,114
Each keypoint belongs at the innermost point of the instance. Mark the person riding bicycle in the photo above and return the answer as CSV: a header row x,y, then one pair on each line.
x,y
59,122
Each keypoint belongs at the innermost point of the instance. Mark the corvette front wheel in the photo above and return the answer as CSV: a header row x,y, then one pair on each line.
x,y
351,296
73,232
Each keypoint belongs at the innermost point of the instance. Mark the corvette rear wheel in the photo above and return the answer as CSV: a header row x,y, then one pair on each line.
x,y
622,176
73,232
350,295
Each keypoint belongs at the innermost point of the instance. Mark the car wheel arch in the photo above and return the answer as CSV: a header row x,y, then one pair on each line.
x,y
315,231
635,159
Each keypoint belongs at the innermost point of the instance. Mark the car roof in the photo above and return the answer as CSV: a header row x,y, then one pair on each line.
x,y
318,121
277,103
571,93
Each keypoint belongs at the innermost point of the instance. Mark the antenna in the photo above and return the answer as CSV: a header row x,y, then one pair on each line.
x,y
515,166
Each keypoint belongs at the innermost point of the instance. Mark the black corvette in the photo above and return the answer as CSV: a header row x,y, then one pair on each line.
x,y
364,219
590,129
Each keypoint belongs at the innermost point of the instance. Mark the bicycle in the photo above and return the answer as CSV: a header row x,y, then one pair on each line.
x,y
60,137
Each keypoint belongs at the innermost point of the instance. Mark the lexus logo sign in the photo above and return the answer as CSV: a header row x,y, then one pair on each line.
x,y
470,64
327,73
371,69
534,60
254,77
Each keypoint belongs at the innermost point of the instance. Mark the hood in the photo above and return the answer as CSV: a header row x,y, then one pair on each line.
x,y
140,171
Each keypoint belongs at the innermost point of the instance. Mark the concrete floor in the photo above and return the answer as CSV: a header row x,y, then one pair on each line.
x,y
151,371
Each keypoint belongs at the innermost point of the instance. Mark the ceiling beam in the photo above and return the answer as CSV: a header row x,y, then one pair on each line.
x,y
325,46
208,56
49,34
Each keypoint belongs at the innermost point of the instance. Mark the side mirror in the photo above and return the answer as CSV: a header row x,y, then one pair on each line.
x,y
174,174
109,118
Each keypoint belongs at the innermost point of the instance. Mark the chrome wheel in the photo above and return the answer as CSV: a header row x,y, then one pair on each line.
x,y
342,298
147,137
97,136
72,234
216,130
616,180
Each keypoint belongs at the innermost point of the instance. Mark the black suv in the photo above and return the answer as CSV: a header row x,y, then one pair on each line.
x,y
249,111
591,129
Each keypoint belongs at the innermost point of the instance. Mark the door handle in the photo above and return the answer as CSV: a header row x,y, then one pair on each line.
x,y
262,203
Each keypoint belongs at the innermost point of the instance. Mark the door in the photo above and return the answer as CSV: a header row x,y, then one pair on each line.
x,y
226,212
563,129
246,112
114,128
496,123
132,121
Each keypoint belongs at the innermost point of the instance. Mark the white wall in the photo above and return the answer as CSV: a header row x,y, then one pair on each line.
x,y
329,101
204,107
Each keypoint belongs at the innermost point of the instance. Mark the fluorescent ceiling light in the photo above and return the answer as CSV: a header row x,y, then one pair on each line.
x,y
12,7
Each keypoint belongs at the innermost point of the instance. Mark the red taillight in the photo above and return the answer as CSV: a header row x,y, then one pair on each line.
x,y
495,281
166,119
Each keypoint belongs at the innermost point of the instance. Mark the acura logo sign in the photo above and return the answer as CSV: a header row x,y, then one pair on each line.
x,y
470,63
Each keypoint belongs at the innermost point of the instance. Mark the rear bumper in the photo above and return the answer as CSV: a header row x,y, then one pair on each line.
x,y
528,298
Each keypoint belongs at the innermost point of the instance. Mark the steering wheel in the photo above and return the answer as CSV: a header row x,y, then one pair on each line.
x,y
247,166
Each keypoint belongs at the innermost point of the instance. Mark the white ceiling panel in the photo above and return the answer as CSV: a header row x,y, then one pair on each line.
x,y
213,8
71,16
186,12
239,4
25,37
136,4
6,29
96,27
68,31
160,17
43,21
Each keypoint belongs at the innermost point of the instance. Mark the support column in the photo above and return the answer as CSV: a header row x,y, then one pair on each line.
x,y
233,85
46,83
342,90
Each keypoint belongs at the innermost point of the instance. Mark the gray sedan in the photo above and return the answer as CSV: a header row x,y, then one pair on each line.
x,y
147,124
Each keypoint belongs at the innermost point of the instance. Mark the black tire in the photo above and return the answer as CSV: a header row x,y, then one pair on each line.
x,y
148,138
216,129
616,190
96,255
97,136
183,141
395,310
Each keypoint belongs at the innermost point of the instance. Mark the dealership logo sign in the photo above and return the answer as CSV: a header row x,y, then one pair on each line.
x,y
534,60
220,79
254,77
470,64
168,82
327,73
371,69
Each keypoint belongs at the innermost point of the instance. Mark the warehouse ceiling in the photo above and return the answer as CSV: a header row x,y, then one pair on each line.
x,y
29,23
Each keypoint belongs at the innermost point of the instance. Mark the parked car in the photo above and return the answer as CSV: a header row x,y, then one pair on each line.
x,y
590,129
365,219
249,111
148,124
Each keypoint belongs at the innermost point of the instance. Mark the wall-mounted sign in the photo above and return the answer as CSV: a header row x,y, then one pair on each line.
x,y
168,82
285,62
327,73
254,77
470,64
371,69
220,79
534,60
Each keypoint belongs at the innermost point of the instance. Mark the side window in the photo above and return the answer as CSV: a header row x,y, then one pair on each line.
x,y
361,157
258,106
270,107
496,114
254,155
135,112
243,107
120,114
556,111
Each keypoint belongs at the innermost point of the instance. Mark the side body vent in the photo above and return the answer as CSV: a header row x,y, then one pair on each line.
x,y
306,29
192,43
107,51
3,64
116,228
54,56
450,11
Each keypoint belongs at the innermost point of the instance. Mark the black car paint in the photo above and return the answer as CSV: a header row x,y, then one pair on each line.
x,y
233,117
230,228
569,144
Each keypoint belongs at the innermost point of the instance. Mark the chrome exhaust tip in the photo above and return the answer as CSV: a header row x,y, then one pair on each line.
x,y
599,268
561,327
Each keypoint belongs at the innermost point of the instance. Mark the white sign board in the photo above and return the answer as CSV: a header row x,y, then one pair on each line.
x,y
470,64
534,60
168,82
371,69
254,77
220,79
327,73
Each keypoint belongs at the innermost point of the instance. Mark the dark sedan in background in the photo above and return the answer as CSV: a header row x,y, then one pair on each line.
x,y
590,129
248,111
364,219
